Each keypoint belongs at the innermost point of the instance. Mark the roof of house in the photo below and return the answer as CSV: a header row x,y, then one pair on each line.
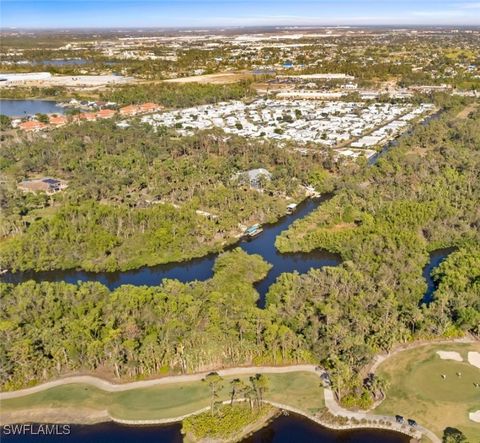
x,y
56,120
148,106
129,108
32,124
106,113
87,116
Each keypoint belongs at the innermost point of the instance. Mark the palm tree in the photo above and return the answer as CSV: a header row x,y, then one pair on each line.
x,y
237,387
214,382
260,385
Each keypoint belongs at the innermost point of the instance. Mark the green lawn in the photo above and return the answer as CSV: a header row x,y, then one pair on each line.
x,y
298,389
417,389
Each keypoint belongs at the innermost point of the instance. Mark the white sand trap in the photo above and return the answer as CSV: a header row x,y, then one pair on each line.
x,y
449,355
475,416
474,359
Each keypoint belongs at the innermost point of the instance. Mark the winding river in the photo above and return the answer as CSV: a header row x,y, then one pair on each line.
x,y
436,257
283,428
202,268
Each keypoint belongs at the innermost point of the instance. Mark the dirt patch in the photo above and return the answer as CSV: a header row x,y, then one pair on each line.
x,y
342,226
217,79
467,111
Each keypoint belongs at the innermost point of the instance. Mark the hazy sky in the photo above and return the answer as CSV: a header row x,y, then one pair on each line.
x,y
178,13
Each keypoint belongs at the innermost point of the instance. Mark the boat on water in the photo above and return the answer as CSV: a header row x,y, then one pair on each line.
x,y
291,208
253,230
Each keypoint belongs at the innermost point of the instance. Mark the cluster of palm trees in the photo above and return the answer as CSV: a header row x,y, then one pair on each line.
x,y
240,390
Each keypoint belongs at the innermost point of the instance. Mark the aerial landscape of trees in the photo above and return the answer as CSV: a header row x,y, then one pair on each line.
x,y
384,220
131,203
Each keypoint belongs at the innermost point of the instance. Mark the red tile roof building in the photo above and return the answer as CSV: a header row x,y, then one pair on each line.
x,y
58,120
32,126
149,107
88,116
130,110
106,113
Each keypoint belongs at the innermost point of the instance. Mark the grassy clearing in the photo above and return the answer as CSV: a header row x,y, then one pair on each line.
x,y
417,389
298,389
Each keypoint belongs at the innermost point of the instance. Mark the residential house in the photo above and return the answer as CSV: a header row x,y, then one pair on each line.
x,y
129,110
105,113
32,126
46,184
148,107
86,116
57,120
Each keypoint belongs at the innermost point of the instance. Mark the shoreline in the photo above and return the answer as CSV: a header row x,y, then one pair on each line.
x,y
226,245
89,417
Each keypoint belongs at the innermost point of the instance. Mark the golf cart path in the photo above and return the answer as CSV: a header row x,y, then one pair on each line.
x,y
330,401
120,387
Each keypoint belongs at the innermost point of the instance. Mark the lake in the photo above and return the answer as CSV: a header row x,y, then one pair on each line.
x,y
285,429
62,62
202,268
24,108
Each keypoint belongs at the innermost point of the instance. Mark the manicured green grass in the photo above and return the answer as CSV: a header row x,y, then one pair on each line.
x,y
298,389
417,389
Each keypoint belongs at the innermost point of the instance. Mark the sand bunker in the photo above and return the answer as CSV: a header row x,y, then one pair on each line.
x,y
475,416
449,355
474,359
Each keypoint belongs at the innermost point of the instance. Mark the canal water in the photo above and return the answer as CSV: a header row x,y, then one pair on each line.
x,y
436,257
202,268
25,108
285,429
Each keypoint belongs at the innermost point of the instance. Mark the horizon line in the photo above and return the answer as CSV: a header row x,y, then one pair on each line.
x,y
310,26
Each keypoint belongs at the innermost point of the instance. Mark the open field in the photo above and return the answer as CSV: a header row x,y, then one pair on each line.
x,y
417,389
297,389
216,79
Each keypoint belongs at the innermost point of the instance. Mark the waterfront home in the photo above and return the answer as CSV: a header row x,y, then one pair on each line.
x,y
32,126
255,177
46,184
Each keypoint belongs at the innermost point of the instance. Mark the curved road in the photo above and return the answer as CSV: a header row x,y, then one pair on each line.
x,y
330,401
115,387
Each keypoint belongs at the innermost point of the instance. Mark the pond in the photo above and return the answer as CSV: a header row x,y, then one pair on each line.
x,y
285,429
24,108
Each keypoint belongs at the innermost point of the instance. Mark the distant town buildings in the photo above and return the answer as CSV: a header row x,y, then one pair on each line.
x,y
334,124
